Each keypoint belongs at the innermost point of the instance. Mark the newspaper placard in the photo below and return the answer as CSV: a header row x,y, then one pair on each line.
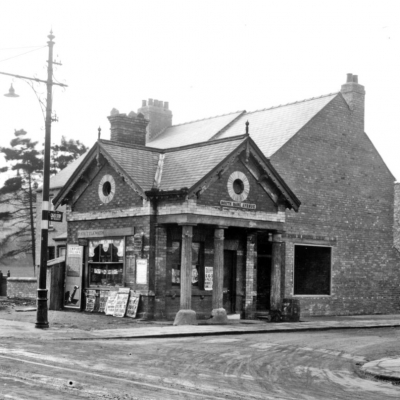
x,y
103,300
133,305
121,302
208,278
141,271
90,300
110,305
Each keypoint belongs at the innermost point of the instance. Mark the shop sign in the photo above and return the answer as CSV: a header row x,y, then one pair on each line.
x,y
105,232
208,279
237,204
141,271
73,276
110,305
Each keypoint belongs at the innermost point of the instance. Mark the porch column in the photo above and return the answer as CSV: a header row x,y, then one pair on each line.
x,y
249,294
160,271
276,267
186,316
218,313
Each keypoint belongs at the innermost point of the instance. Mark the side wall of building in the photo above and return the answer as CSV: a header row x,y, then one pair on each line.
x,y
347,200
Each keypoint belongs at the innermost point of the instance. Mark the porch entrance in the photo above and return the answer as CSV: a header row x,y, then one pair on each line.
x,y
229,298
264,258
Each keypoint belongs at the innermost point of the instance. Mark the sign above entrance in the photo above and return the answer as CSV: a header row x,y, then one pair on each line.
x,y
247,206
106,232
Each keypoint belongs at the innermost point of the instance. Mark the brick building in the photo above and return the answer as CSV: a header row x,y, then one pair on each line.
x,y
187,186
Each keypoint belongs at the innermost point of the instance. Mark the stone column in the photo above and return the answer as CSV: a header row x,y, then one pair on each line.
x,y
249,294
186,316
218,313
276,267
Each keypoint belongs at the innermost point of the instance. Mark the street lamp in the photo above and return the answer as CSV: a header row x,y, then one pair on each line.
x,y
41,313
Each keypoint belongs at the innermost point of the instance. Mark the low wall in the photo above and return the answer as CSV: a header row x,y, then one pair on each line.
x,y
25,288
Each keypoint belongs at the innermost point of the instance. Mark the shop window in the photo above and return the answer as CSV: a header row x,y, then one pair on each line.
x,y
51,253
61,251
106,262
312,270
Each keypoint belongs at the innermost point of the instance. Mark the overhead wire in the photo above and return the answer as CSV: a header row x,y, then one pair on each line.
x,y
19,55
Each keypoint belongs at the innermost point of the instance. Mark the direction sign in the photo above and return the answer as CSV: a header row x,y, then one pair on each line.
x,y
56,216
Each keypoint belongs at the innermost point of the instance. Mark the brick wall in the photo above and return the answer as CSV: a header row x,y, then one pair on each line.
x,y
218,191
347,194
124,196
397,215
24,288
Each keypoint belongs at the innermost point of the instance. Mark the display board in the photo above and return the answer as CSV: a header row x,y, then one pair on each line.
x,y
103,300
141,271
90,300
111,300
121,302
133,305
73,277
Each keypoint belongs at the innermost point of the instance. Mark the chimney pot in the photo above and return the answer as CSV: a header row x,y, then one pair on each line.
x,y
166,105
349,77
150,102
143,103
355,78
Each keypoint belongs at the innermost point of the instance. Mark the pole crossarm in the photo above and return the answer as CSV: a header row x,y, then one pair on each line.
x,y
32,79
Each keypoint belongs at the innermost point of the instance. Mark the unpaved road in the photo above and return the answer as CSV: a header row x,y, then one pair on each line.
x,y
306,365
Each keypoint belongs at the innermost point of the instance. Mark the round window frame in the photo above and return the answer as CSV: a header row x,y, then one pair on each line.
x,y
106,198
246,186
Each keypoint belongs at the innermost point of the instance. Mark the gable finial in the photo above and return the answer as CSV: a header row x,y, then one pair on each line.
x,y
247,127
98,137
98,148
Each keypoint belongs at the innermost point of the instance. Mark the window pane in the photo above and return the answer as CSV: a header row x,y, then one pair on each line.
x,y
312,270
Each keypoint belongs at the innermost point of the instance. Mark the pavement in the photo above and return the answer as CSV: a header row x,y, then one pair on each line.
x,y
386,368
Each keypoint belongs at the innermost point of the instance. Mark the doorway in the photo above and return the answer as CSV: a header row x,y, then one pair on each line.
x,y
264,258
229,298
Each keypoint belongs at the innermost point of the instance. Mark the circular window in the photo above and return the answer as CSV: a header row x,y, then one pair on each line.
x,y
238,186
106,188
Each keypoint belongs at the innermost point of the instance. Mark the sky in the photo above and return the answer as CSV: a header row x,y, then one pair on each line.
x,y
205,58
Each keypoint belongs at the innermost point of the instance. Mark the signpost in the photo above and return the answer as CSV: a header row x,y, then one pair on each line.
x,y
56,216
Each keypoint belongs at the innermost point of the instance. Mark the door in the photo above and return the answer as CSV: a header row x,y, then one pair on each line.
x,y
263,283
229,299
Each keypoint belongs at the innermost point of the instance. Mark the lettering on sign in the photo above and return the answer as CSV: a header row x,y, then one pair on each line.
x,y
121,302
133,305
91,233
237,204
208,278
56,216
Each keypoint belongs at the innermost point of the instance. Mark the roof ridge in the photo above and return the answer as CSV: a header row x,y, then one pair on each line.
x,y
131,145
204,119
294,102
206,143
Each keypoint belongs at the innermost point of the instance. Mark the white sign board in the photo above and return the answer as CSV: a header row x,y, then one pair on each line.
x,y
141,271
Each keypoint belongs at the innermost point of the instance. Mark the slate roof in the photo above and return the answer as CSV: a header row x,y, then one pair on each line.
x,y
270,128
138,162
59,180
193,132
184,167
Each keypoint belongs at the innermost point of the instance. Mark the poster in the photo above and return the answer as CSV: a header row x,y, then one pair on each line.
x,y
141,271
103,300
73,277
121,302
133,305
90,300
110,305
208,278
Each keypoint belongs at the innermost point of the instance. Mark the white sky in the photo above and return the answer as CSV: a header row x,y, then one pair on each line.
x,y
205,57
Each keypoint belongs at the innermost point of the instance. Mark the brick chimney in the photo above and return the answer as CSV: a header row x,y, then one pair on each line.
x,y
128,128
159,115
354,94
